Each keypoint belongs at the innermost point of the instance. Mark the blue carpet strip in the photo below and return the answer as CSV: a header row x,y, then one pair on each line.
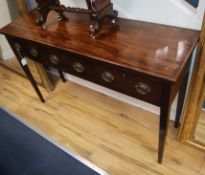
x,y
24,152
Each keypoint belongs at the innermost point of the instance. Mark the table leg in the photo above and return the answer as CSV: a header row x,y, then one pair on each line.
x,y
164,119
180,103
61,75
30,77
26,70
44,77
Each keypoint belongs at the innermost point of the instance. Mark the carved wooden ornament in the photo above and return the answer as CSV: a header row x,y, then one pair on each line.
x,y
97,10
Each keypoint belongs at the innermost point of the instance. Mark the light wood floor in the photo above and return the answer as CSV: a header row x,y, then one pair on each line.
x,y
119,138
14,65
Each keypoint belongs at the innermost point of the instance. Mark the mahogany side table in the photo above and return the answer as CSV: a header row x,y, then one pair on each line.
x,y
144,60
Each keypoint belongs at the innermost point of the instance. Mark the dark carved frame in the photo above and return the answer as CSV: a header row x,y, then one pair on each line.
x,y
97,10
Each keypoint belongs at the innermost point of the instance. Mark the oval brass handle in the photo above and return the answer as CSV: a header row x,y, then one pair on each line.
x,y
78,67
108,77
17,46
142,88
54,59
34,52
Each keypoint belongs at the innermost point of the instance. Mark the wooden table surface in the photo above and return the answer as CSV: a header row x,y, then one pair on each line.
x,y
157,50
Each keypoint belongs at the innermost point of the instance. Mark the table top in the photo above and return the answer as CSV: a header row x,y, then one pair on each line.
x,y
153,49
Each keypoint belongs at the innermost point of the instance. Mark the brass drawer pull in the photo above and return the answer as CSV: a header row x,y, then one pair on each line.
x,y
34,52
54,59
108,77
17,46
78,67
142,88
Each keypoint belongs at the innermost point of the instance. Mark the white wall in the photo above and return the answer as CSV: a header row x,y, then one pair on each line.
x,y
171,12
5,18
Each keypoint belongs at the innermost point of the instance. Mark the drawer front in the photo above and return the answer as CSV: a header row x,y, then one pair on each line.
x,y
56,58
68,62
128,82
108,75
29,49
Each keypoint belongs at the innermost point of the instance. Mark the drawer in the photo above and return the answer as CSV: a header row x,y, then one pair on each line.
x,y
128,82
68,62
56,58
28,48
108,75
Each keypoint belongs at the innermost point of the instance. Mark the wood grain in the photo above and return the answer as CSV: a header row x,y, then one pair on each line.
x,y
156,56
200,128
157,50
117,137
202,172
13,65
195,96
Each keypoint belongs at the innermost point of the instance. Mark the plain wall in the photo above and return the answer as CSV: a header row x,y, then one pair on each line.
x,y
5,19
170,12
8,12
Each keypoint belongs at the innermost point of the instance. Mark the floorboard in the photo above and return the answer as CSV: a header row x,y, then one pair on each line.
x,y
119,138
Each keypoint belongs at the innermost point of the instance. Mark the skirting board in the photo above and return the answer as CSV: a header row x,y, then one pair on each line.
x,y
119,96
7,55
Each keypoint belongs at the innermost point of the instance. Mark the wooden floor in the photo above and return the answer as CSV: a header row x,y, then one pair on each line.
x,y
13,65
119,138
